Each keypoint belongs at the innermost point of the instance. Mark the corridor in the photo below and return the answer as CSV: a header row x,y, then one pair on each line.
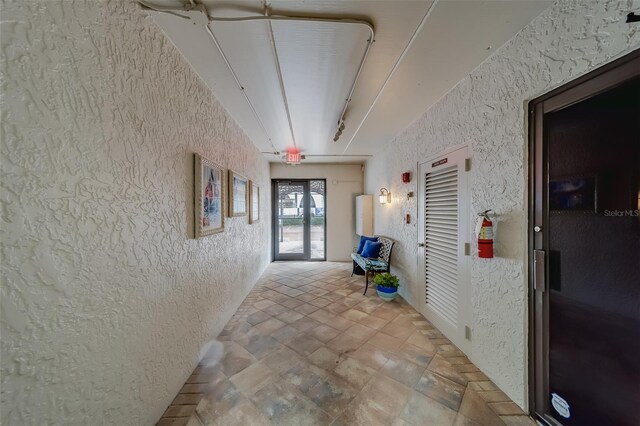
x,y
158,156
307,348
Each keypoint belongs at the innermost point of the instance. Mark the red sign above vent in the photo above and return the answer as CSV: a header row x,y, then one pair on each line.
x,y
439,162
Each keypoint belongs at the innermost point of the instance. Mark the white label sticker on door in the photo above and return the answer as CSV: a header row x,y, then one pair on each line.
x,y
560,405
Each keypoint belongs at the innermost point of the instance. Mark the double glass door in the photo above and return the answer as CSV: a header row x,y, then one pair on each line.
x,y
299,219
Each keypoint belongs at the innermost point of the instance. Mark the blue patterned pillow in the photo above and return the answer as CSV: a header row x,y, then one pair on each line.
x,y
363,240
371,249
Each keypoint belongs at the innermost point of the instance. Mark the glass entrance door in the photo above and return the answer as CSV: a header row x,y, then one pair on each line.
x,y
299,219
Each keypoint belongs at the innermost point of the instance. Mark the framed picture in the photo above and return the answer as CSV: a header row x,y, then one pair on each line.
x,y
209,197
573,194
254,197
238,194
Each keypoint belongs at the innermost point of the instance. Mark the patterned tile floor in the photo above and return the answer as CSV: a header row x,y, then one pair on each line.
x,y
307,348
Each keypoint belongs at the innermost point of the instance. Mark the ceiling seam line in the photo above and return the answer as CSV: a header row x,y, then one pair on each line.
x,y
414,36
274,48
244,93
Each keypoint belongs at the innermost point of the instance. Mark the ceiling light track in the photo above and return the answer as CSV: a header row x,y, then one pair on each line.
x,y
199,15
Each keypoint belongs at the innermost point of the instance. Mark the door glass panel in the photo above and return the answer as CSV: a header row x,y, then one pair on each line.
x,y
299,219
317,215
594,259
289,232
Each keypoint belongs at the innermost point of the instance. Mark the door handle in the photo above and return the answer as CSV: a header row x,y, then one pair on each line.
x,y
539,270
420,244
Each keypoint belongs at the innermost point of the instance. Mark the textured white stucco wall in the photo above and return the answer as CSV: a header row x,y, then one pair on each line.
x,y
487,111
106,297
344,183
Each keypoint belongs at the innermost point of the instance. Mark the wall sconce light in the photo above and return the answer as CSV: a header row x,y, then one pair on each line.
x,y
385,196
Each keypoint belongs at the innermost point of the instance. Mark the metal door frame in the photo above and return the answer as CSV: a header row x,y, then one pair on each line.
x,y
458,333
598,81
306,234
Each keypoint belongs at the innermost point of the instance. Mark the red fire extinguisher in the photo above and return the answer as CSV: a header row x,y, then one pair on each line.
x,y
484,231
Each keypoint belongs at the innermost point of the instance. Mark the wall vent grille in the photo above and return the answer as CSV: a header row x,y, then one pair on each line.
x,y
441,242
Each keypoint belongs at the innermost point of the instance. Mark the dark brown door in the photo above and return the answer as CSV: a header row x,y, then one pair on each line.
x,y
586,249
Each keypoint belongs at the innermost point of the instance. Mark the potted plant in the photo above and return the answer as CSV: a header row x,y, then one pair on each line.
x,y
387,286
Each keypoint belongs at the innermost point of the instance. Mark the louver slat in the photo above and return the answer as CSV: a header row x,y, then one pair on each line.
x,y
442,308
441,242
446,175
444,300
441,230
442,222
443,267
442,190
443,196
443,273
443,264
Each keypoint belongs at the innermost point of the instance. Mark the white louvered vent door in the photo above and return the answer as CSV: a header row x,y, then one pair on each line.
x,y
443,224
441,241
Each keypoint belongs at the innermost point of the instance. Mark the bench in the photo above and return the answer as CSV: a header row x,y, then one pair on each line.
x,y
364,266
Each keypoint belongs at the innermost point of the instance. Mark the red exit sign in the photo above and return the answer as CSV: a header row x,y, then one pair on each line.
x,y
293,157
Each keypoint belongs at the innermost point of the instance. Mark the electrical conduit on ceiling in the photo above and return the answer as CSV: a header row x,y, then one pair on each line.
x,y
393,70
244,93
199,14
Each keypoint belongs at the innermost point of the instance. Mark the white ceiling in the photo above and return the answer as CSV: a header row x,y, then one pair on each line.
x,y
319,61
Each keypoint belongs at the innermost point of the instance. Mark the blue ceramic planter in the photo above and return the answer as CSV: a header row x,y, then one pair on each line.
x,y
387,293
